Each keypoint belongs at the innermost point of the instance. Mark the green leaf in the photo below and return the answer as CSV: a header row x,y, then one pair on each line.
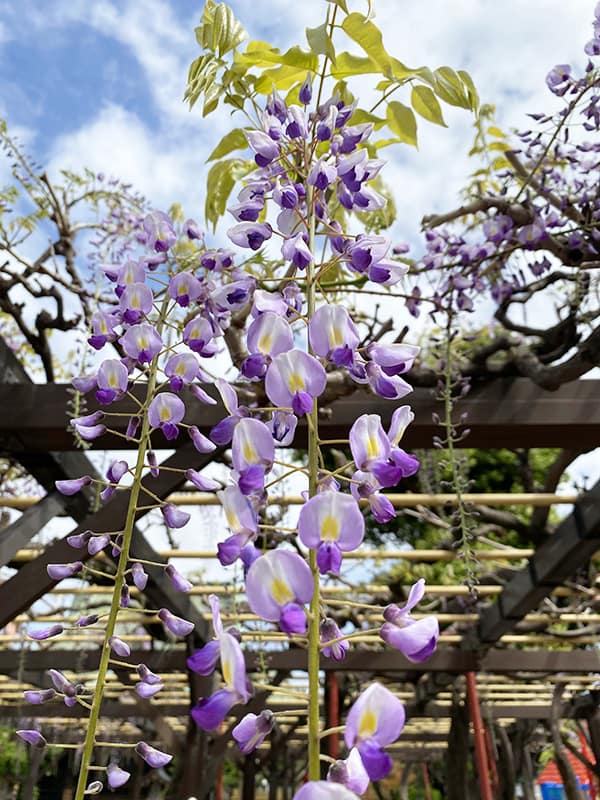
x,y
201,76
211,99
368,36
281,78
320,42
347,64
493,131
340,4
261,54
426,104
471,90
221,179
234,140
219,30
402,122
450,88
360,116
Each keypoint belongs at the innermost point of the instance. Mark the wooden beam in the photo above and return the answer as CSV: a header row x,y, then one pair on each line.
x,y
496,661
32,581
505,413
570,547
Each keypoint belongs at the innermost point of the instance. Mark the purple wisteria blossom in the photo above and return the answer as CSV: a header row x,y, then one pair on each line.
x,y
184,288
153,757
71,486
296,250
378,453
278,585
329,632
58,572
141,342
160,233
112,380
294,379
416,639
103,329
33,738
116,777
252,453
252,730
333,335
375,720
268,335
324,790
331,523
199,336
350,772
40,634
242,520
165,412
182,370
209,712
250,234
222,432
135,302
176,625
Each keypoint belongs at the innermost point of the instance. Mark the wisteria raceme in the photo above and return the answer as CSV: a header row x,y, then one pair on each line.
x,y
172,318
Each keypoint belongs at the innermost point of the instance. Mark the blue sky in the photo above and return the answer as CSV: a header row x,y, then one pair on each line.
x,y
100,82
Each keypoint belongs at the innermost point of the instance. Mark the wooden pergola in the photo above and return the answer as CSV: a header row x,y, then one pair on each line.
x,y
516,672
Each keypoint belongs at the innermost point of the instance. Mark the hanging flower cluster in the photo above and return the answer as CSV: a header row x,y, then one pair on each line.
x,y
173,308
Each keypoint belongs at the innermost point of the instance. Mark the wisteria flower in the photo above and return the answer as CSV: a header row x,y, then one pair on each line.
x,y
333,334
268,335
112,380
135,302
242,520
199,335
209,712
184,288
416,639
329,633
160,233
278,585
253,729
141,342
250,234
166,411
331,523
375,720
153,757
350,772
294,379
324,790
252,453
182,369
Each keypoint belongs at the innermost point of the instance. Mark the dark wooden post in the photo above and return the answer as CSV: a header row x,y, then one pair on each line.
x,y
479,737
249,778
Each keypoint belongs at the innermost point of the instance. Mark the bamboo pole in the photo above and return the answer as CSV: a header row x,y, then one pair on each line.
x,y
407,500
504,554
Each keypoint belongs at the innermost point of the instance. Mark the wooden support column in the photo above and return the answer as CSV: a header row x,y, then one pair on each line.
x,y
333,713
249,778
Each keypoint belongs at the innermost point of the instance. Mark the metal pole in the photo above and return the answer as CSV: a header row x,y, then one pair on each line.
x,y
479,737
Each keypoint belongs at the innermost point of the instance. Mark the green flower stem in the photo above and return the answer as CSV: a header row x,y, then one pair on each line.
x,y
314,746
90,739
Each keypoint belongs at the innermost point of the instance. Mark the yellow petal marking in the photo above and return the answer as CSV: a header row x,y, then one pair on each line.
x,y
295,383
264,343
330,529
249,453
372,447
367,725
281,592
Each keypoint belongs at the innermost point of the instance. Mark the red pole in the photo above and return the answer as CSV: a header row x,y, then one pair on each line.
x,y
479,736
426,783
333,713
591,777
491,761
